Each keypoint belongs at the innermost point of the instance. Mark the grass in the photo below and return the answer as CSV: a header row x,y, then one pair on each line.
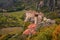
x,y
19,13
12,30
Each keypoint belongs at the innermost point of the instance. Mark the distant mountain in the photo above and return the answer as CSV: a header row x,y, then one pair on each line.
x,y
10,4
6,3
20,4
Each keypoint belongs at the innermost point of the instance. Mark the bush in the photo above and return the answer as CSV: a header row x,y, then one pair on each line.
x,y
51,15
11,19
57,21
3,21
56,33
45,33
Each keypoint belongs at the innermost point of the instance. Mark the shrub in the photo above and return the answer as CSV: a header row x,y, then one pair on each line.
x,y
56,33
11,19
45,33
57,21
51,15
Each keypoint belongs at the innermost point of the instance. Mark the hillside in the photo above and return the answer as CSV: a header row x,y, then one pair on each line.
x,y
12,26
29,19
45,33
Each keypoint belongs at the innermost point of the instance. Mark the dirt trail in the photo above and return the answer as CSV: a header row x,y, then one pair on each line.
x,y
11,30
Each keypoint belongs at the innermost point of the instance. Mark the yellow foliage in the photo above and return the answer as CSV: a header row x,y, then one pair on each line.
x,y
56,33
3,36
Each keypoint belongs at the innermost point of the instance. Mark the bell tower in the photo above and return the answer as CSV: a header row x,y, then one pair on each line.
x,y
36,19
